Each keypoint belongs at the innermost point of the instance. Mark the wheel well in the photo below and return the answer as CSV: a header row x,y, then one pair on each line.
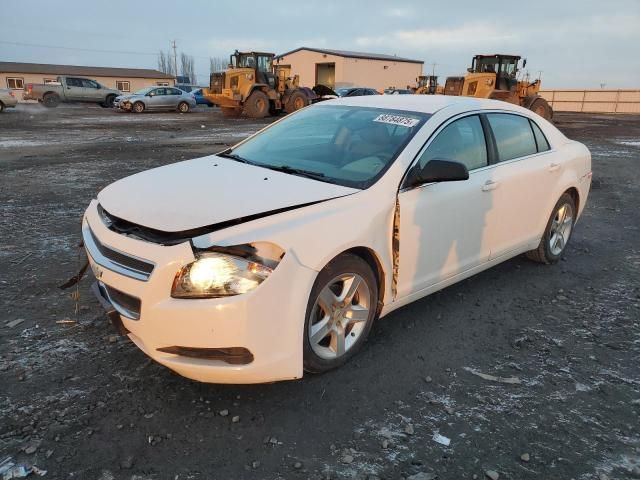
x,y
49,93
371,258
576,197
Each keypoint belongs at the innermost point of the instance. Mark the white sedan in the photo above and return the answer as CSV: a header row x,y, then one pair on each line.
x,y
274,257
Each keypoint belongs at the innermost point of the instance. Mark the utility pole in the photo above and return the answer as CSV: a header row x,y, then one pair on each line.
x,y
539,75
433,69
175,58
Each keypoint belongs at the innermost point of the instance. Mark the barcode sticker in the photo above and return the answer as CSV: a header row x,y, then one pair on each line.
x,y
397,120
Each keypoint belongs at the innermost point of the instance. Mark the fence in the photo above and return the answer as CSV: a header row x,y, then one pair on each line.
x,y
593,101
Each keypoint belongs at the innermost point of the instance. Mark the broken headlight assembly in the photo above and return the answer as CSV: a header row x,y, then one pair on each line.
x,y
224,272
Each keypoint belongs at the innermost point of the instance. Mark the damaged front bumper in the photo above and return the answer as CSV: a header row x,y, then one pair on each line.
x,y
249,338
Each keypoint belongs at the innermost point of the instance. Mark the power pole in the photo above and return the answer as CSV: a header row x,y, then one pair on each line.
x,y
175,58
433,69
539,75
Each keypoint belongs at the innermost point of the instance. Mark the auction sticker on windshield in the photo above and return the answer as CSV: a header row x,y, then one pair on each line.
x,y
397,120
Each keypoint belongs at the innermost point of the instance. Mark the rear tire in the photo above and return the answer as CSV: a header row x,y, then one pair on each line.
x,y
137,107
557,233
341,310
257,105
1,107
183,107
296,101
51,100
542,108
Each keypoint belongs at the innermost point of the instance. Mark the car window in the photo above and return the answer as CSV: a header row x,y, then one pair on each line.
x,y
541,140
86,83
350,146
159,91
513,134
461,141
74,82
173,91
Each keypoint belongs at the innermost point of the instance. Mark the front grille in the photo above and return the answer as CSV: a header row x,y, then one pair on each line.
x,y
216,82
124,303
453,86
122,259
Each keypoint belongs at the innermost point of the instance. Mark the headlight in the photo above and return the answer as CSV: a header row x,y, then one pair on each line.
x,y
216,274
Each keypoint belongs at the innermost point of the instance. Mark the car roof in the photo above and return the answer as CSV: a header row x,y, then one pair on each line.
x,y
423,103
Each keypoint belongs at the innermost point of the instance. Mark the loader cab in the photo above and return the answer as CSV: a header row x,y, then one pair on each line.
x,y
261,62
505,67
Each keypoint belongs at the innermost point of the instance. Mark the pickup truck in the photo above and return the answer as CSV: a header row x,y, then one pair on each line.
x,y
70,89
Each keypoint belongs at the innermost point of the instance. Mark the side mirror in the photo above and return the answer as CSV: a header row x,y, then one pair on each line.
x,y
150,94
98,86
438,171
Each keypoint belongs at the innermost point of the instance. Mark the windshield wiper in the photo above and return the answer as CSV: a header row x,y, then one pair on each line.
x,y
297,171
234,156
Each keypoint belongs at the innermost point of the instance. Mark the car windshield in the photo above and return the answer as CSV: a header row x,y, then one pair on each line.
x,y
144,91
345,145
343,91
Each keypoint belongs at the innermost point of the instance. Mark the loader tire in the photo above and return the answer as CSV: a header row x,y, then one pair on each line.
x,y
230,112
257,105
542,108
296,101
51,100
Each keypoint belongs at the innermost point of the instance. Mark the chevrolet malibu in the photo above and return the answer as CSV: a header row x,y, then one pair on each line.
x,y
275,257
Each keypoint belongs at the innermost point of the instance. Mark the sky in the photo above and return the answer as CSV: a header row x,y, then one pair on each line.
x,y
574,43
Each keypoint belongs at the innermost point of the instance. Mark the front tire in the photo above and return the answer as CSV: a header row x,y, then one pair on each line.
x,y
542,108
296,101
138,107
341,310
183,107
108,103
257,105
557,233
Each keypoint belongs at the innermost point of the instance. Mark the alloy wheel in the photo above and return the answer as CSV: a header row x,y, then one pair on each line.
x,y
339,316
561,227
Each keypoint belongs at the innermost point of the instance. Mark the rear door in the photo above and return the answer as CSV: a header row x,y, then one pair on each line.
x,y
74,89
525,178
174,96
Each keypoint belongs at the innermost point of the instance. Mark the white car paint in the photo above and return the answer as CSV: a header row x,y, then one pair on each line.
x,y
448,232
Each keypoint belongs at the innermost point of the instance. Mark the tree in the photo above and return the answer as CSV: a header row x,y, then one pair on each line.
x,y
187,67
217,64
164,63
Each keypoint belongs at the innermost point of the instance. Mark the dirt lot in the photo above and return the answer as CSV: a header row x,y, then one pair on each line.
x,y
81,403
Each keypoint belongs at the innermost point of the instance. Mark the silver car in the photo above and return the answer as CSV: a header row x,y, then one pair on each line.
x,y
8,99
156,98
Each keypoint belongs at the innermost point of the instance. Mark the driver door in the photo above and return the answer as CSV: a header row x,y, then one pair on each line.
x,y
443,227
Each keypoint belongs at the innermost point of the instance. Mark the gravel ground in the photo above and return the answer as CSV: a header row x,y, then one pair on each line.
x,y
81,403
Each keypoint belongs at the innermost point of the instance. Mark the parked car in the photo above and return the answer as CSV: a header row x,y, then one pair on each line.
x,y
156,98
356,91
399,91
276,256
70,89
200,98
7,99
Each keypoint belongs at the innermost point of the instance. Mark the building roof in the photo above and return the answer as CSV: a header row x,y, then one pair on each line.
x,y
351,54
50,69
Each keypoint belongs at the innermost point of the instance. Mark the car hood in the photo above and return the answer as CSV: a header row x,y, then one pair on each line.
x,y
209,191
128,97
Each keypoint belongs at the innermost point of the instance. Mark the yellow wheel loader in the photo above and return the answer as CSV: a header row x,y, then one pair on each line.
x,y
495,76
427,85
254,86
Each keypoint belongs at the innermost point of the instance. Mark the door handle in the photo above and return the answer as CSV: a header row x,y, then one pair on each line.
x,y
490,185
554,167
